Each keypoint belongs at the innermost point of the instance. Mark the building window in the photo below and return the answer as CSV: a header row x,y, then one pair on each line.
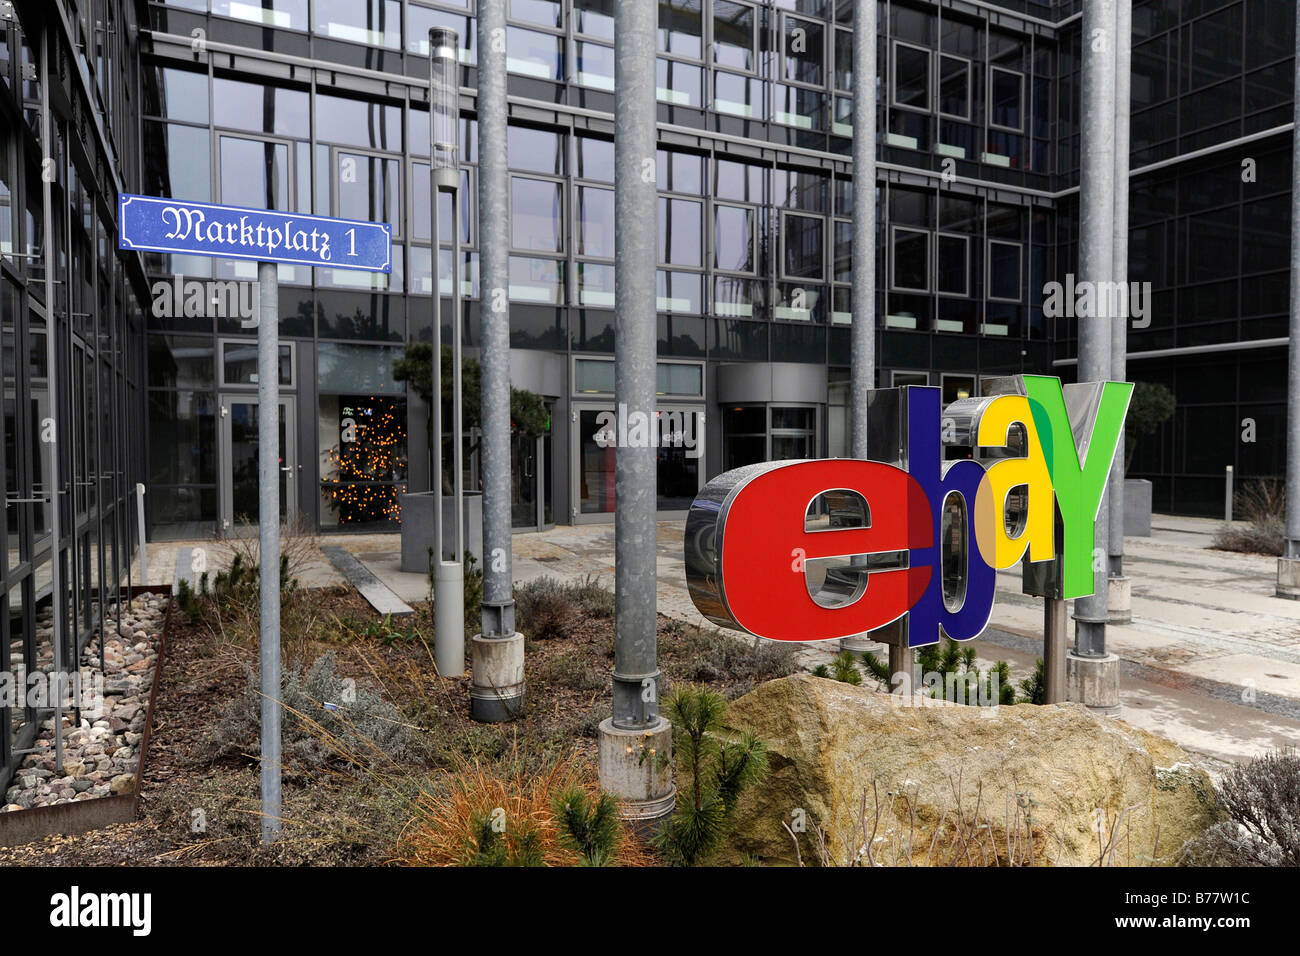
x,y
803,238
1004,270
595,222
1006,94
954,87
911,77
733,35
545,13
911,260
595,18
363,464
534,54
536,215
255,173
372,22
681,232
282,14
368,189
420,20
681,28
952,254
735,238
805,51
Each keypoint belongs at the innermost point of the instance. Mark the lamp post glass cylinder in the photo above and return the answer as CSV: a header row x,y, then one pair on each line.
x,y
444,157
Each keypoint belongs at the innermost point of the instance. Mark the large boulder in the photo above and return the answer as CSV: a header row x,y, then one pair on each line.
x,y
964,785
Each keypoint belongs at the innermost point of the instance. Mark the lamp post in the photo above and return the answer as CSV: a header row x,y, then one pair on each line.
x,y
636,743
444,169
497,652
1288,565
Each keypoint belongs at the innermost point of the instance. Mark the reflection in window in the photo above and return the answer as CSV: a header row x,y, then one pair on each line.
x,y
420,20
372,22
368,189
954,87
911,77
595,65
284,14
594,18
805,52
733,34
254,173
535,215
182,95
596,159
681,232
535,150
952,253
362,123
911,260
534,54
844,60
260,109
681,84
804,246
678,291
178,163
681,27
1006,91
546,13
733,238
536,280
362,440
595,221
595,285
1004,270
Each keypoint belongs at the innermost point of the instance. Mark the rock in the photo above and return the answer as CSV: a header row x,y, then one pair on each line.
x,y
82,785
828,743
122,783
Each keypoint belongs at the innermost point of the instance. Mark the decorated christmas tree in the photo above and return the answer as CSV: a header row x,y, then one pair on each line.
x,y
368,459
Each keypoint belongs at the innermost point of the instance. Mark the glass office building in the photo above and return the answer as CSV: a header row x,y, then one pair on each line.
x,y
320,106
72,312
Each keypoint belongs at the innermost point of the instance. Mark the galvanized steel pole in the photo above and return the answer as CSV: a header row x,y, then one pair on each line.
x,y
497,652
863,333
1288,566
635,500
1096,262
268,519
636,742
1118,585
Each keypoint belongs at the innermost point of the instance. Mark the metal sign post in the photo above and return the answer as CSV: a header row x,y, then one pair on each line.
x,y
235,232
444,162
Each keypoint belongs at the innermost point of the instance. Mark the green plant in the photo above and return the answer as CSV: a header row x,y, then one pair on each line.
x,y
1034,687
955,665
588,825
491,845
878,669
528,414
844,669
1150,407
717,770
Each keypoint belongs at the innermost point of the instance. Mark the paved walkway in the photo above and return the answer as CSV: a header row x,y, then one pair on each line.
x,y
1212,658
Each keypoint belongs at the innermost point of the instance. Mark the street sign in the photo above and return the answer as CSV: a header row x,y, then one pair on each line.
x,y
234,232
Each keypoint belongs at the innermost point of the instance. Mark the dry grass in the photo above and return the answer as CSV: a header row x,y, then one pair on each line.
x,y
442,830
1263,505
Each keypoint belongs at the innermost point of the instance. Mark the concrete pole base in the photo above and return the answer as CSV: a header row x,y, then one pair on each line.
x,y
1119,602
1093,682
636,766
1288,578
496,693
857,643
449,618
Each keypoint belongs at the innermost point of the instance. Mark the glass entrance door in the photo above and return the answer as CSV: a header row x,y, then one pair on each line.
x,y
239,498
678,436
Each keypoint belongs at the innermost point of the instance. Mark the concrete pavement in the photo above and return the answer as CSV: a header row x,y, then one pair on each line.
x,y
1211,658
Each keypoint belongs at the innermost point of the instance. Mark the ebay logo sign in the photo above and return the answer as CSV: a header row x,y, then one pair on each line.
x,y
822,549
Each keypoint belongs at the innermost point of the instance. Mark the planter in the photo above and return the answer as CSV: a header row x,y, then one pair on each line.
x,y
417,528
1137,507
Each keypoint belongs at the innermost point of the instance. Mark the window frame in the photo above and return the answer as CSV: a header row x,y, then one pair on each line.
x,y
782,79
893,258
970,87
928,109
712,228
1020,270
990,109
711,60
782,275
966,269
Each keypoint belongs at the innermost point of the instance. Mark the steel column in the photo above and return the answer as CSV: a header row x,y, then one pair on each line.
x,y
268,530
1096,262
1119,259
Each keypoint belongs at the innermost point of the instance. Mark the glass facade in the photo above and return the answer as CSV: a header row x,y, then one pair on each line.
x,y
322,110
72,335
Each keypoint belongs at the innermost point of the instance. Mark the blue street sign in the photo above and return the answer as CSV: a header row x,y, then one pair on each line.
x,y
234,232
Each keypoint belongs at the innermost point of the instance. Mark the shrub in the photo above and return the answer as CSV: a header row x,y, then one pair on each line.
x,y
711,655
1263,505
717,770
324,720
1034,687
543,609
1262,799
951,660
517,816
